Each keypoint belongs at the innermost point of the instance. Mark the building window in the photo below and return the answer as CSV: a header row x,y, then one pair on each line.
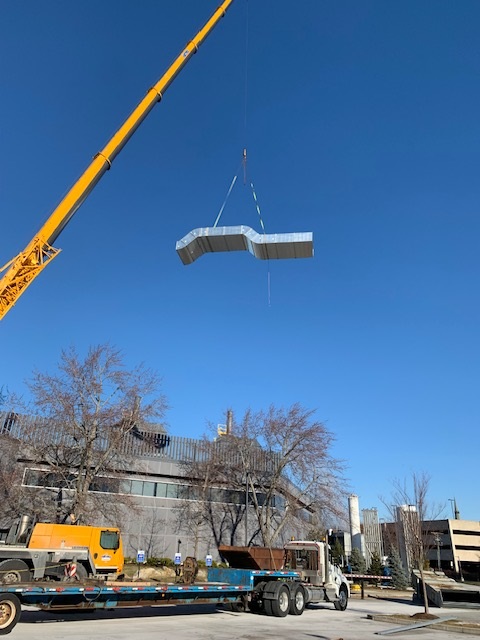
x,y
125,486
161,490
172,490
137,488
175,491
149,489
33,478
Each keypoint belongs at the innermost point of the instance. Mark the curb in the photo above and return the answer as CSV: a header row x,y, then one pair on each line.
x,y
454,626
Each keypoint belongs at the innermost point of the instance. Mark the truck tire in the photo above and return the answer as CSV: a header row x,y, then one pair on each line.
x,y
342,602
12,571
10,609
82,573
280,604
297,603
256,604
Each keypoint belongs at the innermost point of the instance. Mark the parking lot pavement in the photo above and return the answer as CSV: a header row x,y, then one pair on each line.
x,y
205,622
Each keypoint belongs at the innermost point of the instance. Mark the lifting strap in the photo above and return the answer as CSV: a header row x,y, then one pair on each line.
x,y
232,184
263,229
257,206
226,198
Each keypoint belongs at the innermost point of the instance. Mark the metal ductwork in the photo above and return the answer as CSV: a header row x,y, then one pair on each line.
x,y
268,246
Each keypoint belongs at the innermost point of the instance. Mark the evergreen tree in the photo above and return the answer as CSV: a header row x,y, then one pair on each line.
x,y
338,553
399,577
357,561
376,567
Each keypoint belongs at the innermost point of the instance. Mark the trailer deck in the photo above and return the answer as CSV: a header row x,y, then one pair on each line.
x,y
84,596
275,593
93,595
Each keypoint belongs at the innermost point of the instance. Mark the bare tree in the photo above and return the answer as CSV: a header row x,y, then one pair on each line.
x,y
412,510
147,536
212,506
85,417
15,500
279,462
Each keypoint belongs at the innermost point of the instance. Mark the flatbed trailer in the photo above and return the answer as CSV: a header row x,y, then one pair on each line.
x,y
62,596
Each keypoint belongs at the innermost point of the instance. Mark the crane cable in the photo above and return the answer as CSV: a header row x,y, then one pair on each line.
x,y
244,156
257,207
247,22
243,164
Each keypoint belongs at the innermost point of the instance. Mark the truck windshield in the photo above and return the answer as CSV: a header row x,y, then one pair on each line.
x,y
109,540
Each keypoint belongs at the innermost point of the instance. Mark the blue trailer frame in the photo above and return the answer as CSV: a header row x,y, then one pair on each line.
x,y
225,586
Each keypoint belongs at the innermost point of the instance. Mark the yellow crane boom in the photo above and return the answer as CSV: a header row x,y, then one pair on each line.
x,y
22,269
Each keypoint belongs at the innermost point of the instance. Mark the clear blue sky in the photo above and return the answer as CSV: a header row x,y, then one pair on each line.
x,y
363,126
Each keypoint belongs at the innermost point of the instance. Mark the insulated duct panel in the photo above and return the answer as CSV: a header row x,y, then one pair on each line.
x,y
270,246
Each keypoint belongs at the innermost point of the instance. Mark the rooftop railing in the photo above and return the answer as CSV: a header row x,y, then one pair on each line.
x,y
138,443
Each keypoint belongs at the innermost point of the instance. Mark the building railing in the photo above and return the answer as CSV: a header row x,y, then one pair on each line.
x,y
138,443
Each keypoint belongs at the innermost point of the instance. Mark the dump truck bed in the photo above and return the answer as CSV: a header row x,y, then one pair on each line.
x,y
253,557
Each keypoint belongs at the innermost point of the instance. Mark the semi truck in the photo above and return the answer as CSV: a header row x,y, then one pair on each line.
x,y
45,551
249,584
319,580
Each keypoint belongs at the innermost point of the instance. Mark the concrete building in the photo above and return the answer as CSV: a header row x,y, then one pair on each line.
x,y
156,481
345,539
451,544
372,535
455,546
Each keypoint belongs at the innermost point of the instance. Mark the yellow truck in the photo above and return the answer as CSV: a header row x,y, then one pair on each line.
x,y
44,551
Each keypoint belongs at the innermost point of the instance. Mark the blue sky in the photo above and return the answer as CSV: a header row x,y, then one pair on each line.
x,y
362,126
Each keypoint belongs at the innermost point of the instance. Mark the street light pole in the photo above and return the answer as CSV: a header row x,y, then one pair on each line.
x,y
438,541
456,512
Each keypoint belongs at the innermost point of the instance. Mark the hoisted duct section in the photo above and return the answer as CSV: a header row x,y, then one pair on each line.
x,y
271,246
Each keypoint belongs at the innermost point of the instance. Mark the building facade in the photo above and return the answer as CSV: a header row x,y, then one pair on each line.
x,y
157,485
372,535
453,546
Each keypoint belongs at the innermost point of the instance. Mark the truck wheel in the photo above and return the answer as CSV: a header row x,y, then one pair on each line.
x,y
82,573
256,604
297,603
341,603
267,607
10,609
14,571
281,603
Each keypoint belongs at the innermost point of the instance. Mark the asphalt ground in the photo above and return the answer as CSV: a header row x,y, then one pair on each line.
x,y
206,622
